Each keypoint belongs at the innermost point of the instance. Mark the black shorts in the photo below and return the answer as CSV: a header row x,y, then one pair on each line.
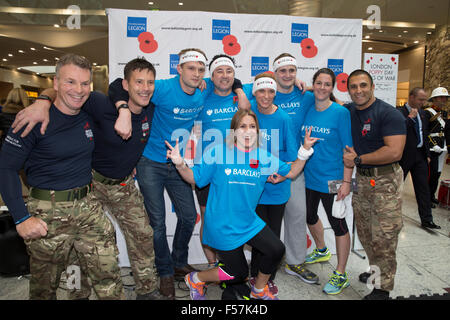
x,y
312,206
202,195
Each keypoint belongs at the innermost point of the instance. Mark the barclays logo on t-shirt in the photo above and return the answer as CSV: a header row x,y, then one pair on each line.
x,y
178,110
317,129
135,26
210,112
243,172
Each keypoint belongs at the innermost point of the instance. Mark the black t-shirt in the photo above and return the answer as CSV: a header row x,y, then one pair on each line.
x,y
58,160
114,157
370,125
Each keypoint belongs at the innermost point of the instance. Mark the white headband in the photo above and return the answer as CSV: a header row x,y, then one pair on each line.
x,y
223,61
192,56
284,61
264,83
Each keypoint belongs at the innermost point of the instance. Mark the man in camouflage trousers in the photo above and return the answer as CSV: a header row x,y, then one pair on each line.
x,y
63,214
379,135
113,162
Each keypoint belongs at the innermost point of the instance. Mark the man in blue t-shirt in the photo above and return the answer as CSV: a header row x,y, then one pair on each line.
x,y
62,213
379,135
178,102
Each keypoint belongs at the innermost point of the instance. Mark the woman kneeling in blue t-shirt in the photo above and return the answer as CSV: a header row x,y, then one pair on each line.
x,y
326,178
237,171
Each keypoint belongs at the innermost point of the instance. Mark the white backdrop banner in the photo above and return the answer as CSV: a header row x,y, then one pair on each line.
x,y
252,40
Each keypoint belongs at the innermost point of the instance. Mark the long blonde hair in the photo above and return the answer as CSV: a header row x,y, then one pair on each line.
x,y
17,99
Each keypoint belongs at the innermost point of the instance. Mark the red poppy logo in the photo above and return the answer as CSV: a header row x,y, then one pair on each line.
x,y
254,163
230,45
364,132
309,50
235,99
147,42
341,81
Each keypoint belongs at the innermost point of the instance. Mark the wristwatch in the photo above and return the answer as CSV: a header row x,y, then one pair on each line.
x,y
123,105
44,97
357,161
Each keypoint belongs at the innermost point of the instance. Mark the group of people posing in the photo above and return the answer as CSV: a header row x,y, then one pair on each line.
x,y
267,151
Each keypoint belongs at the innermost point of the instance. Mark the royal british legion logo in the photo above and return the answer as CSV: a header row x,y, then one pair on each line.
x,y
173,62
299,32
220,29
259,65
337,65
135,26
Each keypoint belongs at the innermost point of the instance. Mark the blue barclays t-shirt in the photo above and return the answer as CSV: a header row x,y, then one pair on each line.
x,y
333,128
58,160
215,121
114,157
277,137
237,180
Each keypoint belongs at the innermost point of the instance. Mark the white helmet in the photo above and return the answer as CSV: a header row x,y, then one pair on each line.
x,y
439,92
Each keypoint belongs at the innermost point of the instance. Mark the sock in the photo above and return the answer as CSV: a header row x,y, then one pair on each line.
x,y
323,250
255,289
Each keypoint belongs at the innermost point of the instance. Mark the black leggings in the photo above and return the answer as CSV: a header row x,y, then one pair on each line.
x,y
312,206
272,251
272,215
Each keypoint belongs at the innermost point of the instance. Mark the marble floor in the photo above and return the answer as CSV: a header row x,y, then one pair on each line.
x,y
423,259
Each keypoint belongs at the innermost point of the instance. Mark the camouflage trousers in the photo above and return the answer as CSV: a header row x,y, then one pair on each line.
x,y
377,208
125,203
78,228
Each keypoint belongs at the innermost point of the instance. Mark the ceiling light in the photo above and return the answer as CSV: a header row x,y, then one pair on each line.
x,y
150,3
56,58
370,48
5,59
367,37
180,3
417,41
399,36
44,60
32,49
405,31
34,62
47,48
380,30
10,55
56,25
21,51
429,32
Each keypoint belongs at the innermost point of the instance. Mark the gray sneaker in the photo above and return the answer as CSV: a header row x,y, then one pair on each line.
x,y
300,271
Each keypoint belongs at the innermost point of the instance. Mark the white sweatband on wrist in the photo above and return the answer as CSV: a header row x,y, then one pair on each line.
x,y
223,61
304,154
264,83
284,61
192,56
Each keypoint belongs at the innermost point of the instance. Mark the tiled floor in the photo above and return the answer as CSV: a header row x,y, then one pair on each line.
x,y
423,259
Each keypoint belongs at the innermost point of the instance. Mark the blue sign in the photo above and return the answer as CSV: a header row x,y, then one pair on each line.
x,y
337,65
299,32
135,26
220,29
174,60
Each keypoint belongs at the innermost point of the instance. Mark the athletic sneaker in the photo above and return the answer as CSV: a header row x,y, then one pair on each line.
x,y
272,286
337,283
197,289
299,270
317,256
263,295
